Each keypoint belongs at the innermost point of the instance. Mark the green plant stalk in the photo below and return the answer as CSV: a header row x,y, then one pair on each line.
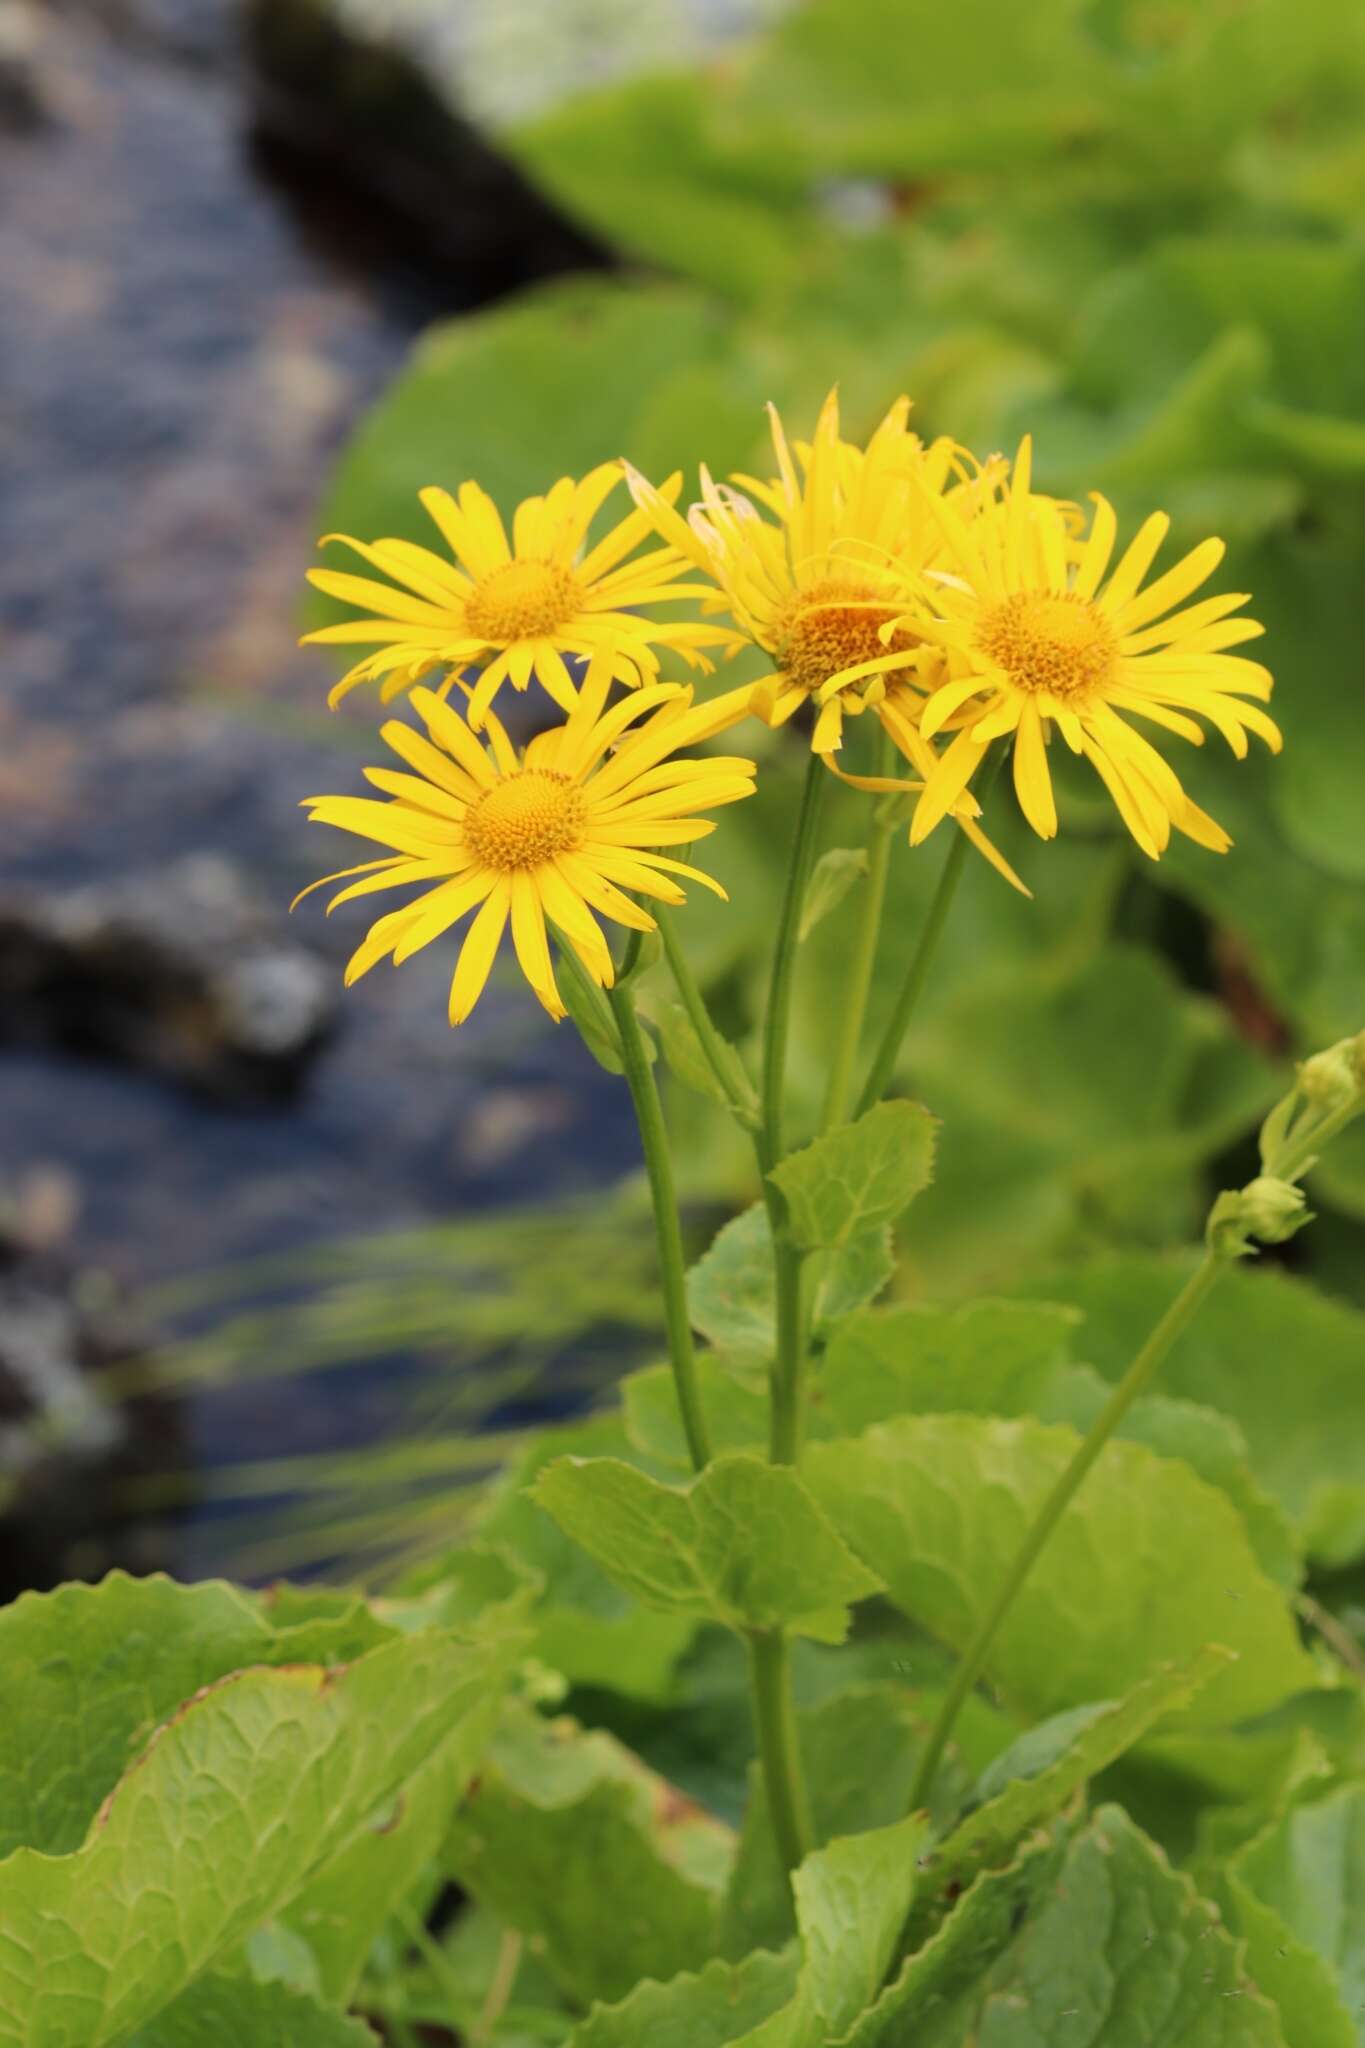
x,y
663,1194
775,1721
917,973
1135,1381
777,1017
853,1012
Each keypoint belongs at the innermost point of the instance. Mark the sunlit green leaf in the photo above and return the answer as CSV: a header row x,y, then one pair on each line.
x,y
1148,1565
745,1544
858,1177
730,1289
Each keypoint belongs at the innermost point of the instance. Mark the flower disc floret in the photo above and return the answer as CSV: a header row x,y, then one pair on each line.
x,y
833,626
1054,642
522,600
526,820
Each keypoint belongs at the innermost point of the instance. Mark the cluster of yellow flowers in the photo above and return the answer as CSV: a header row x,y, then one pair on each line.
x,y
905,579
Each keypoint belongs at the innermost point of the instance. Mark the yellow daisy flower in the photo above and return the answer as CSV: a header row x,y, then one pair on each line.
x,y
515,609
1032,640
823,586
541,837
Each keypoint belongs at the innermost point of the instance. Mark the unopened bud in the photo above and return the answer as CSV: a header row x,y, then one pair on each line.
x,y
1268,1209
1332,1079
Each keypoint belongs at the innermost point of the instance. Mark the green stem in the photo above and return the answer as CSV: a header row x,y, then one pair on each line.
x,y
888,1052
777,1019
789,1362
659,1166
777,1746
1305,1146
853,999
1137,1378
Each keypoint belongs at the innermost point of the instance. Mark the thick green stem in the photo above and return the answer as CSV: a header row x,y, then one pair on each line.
x,y
789,1363
853,996
1134,1382
659,1167
775,1722
777,1019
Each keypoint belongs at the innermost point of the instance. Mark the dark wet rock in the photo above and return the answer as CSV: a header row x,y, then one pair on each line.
x,y
359,96
70,1449
24,96
181,969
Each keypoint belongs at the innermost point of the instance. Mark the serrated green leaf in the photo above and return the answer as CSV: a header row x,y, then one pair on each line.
x,y
1119,1951
1309,1869
1302,1985
833,875
584,1624
730,1290
859,1177
571,1840
744,1544
87,1673
707,2009
1032,1782
235,2012
1148,1565
248,1793
1304,1427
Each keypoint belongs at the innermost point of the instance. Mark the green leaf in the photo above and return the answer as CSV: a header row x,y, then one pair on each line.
x,y
1303,1986
1283,1360
1036,1777
833,875
643,165
859,1177
1310,1871
708,2010
744,1544
87,1673
585,1625
730,1289
989,1357
611,1873
257,1783
1069,1122
235,2012
683,1050
1147,1566
859,1749
1119,1951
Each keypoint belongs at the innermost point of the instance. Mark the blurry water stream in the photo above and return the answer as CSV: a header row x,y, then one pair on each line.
x,y
184,344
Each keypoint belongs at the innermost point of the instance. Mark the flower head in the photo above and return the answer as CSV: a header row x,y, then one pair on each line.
x,y
518,609
1035,637
543,837
823,584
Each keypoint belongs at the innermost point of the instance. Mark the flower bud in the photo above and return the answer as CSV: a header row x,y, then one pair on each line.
x,y
1266,1208
1332,1079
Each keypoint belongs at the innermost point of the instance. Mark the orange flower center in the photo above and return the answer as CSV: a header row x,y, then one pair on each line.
x,y
522,601
835,625
526,820
1046,640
